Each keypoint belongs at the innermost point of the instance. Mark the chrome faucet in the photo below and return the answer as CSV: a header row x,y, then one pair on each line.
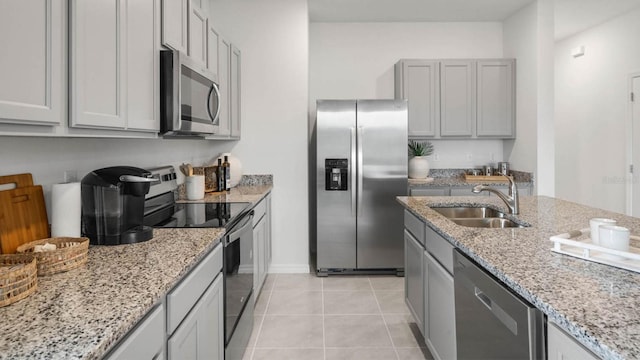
x,y
511,200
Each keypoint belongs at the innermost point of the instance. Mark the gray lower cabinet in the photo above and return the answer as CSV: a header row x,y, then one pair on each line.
x,y
414,278
562,346
146,341
201,334
466,191
439,310
261,242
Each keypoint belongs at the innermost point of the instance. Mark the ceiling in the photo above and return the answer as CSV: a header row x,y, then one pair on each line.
x,y
571,16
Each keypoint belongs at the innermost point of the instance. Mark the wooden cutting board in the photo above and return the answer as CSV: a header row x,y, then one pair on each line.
x,y
23,215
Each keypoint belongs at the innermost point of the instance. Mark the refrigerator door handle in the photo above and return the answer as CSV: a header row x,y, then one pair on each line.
x,y
352,171
360,170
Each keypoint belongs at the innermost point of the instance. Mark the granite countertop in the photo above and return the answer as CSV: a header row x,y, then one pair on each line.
x,y
80,314
456,178
598,304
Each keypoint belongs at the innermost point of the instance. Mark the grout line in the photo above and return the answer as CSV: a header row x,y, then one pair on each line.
x,y
255,345
386,326
324,337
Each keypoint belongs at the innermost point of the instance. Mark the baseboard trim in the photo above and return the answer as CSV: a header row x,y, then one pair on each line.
x,y
289,269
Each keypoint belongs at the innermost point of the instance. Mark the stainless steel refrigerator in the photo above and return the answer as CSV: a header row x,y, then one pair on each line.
x,y
361,166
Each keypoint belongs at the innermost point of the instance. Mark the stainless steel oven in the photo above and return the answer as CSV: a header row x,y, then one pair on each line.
x,y
238,287
189,96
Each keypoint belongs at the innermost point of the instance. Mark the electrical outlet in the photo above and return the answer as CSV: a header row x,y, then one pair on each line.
x,y
492,156
70,176
469,156
436,157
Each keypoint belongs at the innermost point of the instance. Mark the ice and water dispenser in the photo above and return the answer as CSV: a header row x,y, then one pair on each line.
x,y
336,174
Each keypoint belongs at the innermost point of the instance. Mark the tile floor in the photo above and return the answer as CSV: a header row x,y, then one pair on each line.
x,y
304,317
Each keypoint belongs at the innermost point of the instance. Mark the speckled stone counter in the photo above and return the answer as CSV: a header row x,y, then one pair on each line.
x,y
599,305
455,178
80,314
252,189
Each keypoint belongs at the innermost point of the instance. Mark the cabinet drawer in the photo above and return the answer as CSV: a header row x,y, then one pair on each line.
x,y
415,226
259,211
146,341
432,191
440,248
182,298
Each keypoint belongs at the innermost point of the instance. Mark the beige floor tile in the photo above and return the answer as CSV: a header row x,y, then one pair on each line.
x,y
291,331
261,304
350,302
298,282
346,283
355,331
268,282
414,354
248,354
288,354
404,331
360,354
257,325
392,302
298,302
387,283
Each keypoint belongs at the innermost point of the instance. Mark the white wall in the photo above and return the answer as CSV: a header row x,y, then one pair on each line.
x,y
591,96
355,60
273,38
528,37
48,158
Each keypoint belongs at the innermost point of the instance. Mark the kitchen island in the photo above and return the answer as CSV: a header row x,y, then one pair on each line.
x,y
83,313
597,304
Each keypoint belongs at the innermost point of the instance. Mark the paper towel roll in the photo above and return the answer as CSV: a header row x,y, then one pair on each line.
x,y
65,210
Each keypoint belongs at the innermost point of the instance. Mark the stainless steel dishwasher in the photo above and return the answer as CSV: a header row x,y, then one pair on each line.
x,y
491,321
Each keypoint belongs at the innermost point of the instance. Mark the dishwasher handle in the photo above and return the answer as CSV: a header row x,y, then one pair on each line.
x,y
497,311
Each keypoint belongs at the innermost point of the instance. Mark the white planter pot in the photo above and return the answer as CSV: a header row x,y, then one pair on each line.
x,y
418,167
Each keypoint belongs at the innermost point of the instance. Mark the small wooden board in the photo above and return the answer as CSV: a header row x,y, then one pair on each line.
x,y
480,178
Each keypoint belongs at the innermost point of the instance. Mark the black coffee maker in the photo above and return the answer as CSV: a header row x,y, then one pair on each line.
x,y
113,205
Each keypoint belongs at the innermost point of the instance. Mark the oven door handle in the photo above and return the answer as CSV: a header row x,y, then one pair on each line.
x,y
236,234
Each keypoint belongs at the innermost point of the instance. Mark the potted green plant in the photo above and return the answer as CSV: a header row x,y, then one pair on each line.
x,y
418,163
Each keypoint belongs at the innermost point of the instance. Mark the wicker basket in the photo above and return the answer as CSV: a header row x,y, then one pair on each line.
x,y
71,253
18,277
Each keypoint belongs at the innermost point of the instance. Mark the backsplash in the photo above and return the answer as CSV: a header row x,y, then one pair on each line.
x,y
519,176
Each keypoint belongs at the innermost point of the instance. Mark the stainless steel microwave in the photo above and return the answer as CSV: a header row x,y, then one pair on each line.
x,y
189,96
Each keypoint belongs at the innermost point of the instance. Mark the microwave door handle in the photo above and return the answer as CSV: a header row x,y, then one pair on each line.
x,y
214,88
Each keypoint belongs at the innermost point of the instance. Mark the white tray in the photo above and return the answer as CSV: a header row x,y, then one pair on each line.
x,y
578,244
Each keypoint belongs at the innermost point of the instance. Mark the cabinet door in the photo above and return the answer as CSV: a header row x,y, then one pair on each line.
x,y
175,14
143,64
260,253
440,310
236,93
32,67
269,239
562,346
414,279
496,104
198,28
213,54
457,98
97,64
418,81
201,334
146,342
224,71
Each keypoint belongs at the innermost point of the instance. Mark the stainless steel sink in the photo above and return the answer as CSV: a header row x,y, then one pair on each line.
x,y
480,217
469,212
488,223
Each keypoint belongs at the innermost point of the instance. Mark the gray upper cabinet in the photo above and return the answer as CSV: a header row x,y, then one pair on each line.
x,y
464,98
496,98
235,92
175,14
32,67
198,30
457,100
114,64
418,81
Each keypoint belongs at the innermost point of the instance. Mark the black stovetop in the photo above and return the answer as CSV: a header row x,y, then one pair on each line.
x,y
197,215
